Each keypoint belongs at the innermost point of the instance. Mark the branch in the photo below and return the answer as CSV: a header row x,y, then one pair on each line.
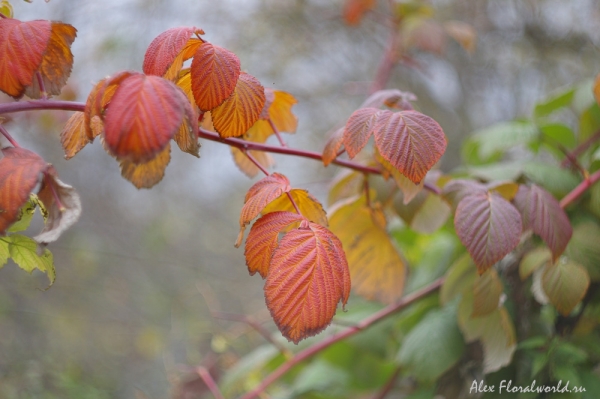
x,y
388,385
580,149
327,342
21,106
579,190
5,133
210,382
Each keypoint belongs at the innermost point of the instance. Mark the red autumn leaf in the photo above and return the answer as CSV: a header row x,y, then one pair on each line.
x,y
455,190
333,146
57,61
260,194
62,204
359,128
354,10
22,47
489,226
542,213
146,175
308,276
241,110
410,141
73,136
167,52
143,115
263,239
214,73
19,174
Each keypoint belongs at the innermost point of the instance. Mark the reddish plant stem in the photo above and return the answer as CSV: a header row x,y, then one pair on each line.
x,y
20,106
59,204
388,385
293,203
277,134
40,81
579,190
318,347
210,382
580,149
11,140
255,162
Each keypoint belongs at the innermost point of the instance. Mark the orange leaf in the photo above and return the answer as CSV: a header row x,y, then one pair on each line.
x,y
22,47
57,61
215,71
308,205
63,213
410,141
280,111
184,82
187,139
146,175
19,174
260,194
241,110
354,10
308,276
333,145
463,33
377,269
167,52
97,101
143,115
360,126
263,239
73,136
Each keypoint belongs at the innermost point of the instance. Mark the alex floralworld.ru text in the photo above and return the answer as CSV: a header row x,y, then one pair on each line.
x,y
507,387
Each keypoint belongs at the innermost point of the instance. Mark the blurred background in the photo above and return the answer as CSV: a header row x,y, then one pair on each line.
x,y
140,273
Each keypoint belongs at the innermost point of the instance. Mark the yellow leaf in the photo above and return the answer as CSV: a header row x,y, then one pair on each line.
x,y
73,136
346,185
376,268
486,293
146,175
280,111
309,207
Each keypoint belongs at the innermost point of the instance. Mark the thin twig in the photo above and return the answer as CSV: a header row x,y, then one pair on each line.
x,y
580,149
293,203
388,385
579,190
5,133
210,382
40,80
327,342
255,162
277,134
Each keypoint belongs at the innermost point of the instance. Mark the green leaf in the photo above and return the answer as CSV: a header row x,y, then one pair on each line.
x,y
486,293
536,342
248,368
322,376
433,346
25,215
553,104
584,249
497,171
589,122
502,136
24,252
565,283
470,153
533,260
4,252
556,180
594,204
459,278
495,331
560,134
